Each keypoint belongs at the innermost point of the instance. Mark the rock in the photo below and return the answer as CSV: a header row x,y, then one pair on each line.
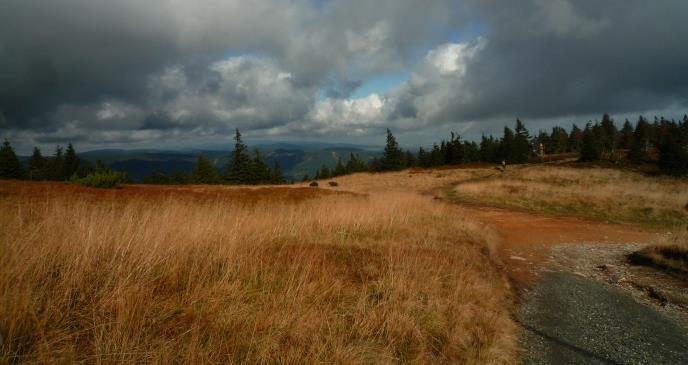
x,y
518,258
578,273
605,267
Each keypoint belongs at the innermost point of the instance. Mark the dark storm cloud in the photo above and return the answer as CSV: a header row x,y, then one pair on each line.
x,y
129,70
78,54
551,58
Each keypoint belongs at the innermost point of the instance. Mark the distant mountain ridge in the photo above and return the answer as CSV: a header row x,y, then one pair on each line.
x,y
295,159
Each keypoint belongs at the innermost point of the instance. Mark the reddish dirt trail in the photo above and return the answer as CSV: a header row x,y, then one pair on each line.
x,y
527,237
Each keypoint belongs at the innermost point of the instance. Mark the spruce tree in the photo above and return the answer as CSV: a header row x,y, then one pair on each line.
x,y
488,149
10,166
521,149
392,159
543,139
609,133
575,139
626,135
323,173
355,164
506,145
423,158
55,169
37,165
591,146
436,157
559,140
339,168
238,168
305,177
204,172
641,141
259,171
70,165
673,151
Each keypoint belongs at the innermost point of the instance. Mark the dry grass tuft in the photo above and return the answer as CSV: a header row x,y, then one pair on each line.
x,y
608,194
671,255
229,275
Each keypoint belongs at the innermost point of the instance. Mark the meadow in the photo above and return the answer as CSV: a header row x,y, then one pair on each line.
x,y
214,274
383,268
614,195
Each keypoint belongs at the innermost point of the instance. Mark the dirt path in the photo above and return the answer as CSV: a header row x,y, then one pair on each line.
x,y
581,302
527,238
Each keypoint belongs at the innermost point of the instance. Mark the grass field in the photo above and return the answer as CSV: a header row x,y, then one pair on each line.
x,y
596,193
214,274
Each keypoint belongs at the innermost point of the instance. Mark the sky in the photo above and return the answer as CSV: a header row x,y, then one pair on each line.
x,y
185,74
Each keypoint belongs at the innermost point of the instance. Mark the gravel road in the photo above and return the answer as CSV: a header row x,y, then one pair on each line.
x,y
569,319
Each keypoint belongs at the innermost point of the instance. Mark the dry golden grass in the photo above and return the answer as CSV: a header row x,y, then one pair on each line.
x,y
424,181
232,275
608,194
672,254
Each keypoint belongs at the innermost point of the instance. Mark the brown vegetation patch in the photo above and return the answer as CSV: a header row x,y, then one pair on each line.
x,y
671,255
594,193
193,274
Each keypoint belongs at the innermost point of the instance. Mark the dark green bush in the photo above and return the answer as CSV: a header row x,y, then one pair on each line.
x,y
100,179
333,183
314,184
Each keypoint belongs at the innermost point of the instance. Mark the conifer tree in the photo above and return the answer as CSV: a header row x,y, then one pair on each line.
x,y
436,158
673,150
423,157
323,173
10,166
521,149
37,165
559,140
259,172
626,135
575,139
70,165
305,177
543,139
339,168
55,169
355,164
488,149
609,133
506,145
641,141
392,159
591,147
204,172
238,169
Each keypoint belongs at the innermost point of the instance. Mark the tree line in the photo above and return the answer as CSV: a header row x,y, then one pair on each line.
x,y
242,168
63,165
664,142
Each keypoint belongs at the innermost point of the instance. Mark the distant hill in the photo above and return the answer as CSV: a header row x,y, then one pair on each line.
x,y
294,159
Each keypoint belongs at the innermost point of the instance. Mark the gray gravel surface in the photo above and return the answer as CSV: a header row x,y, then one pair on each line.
x,y
569,319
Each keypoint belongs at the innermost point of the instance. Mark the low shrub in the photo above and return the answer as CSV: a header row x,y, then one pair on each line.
x,y
101,179
313,184
333,183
